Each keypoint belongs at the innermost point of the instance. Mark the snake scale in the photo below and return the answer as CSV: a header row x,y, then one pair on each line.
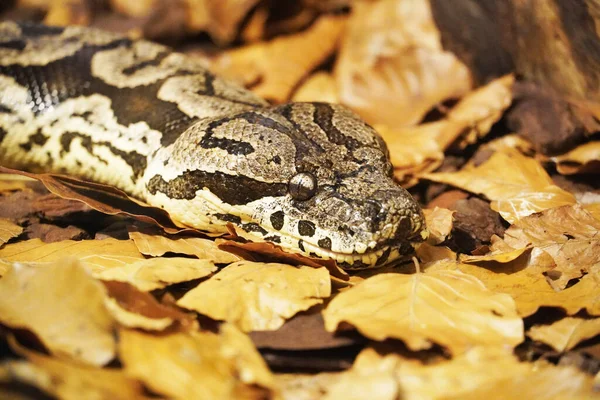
x,y
312,178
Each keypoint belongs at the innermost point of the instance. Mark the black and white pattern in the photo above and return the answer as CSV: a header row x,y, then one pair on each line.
x,y
310,177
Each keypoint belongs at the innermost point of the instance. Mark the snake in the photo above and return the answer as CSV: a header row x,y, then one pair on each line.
x,y
312,178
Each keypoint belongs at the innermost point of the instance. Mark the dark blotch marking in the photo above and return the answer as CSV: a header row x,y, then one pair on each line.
x,y
229,218
277,220
254,227
383,258
324,118
3,134
306,228
38,139
136,161
34,30
325,243
273,238
155,62
14,44
301,245
277,160
232,189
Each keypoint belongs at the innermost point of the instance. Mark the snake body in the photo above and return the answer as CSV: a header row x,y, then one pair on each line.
x,y
310,177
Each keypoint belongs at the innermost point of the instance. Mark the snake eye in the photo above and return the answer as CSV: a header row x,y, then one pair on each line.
x,y
302,186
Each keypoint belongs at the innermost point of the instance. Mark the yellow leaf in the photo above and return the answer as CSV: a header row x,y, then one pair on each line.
x,y
566,333
258,296
431,254
320,87
66,380
158,245
158,273
569,234
8,230
531,290
584,158
97,255
439,224
517,185
64,306
195,365
392,68
445,307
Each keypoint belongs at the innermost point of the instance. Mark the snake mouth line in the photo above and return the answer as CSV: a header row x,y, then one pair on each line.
x,y
359,261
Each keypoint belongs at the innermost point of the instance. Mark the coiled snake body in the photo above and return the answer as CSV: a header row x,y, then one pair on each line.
x,y
310,177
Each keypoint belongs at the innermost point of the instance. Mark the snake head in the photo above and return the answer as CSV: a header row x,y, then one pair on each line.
x,y
311,177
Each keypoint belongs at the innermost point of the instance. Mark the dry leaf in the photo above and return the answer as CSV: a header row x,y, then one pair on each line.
x,y
68,381
569,234
500,256
531,290
195,365
392,68
280,64
445,307
583,159
103,198
158,273
97,255
430,254
565,334
64,306
8,230
12,182
421,148
319,87
258,296
477,374
158,245
517,185
130,319
439,224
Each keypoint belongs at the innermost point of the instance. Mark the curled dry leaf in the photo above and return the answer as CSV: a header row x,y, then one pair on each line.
x,y
477,374
450,308
66,380
421,148
320,87
392,68
566,333
63,306
517,185
531,290
130,319
582,159
439,224
258,296
103,198
281,63
8,230
430,254
97,255
158,273
158,245
12,182
569,234
195,365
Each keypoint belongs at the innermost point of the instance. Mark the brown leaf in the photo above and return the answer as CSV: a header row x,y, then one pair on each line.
x,y
158,273
439,224
195,365
274,253
8,230
569,234
97,255
566,333
67,380
392,68
158,245
280,64
445,307
64,306
481,373
103,198
582,159
132,301
518,185
258,296
12,182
